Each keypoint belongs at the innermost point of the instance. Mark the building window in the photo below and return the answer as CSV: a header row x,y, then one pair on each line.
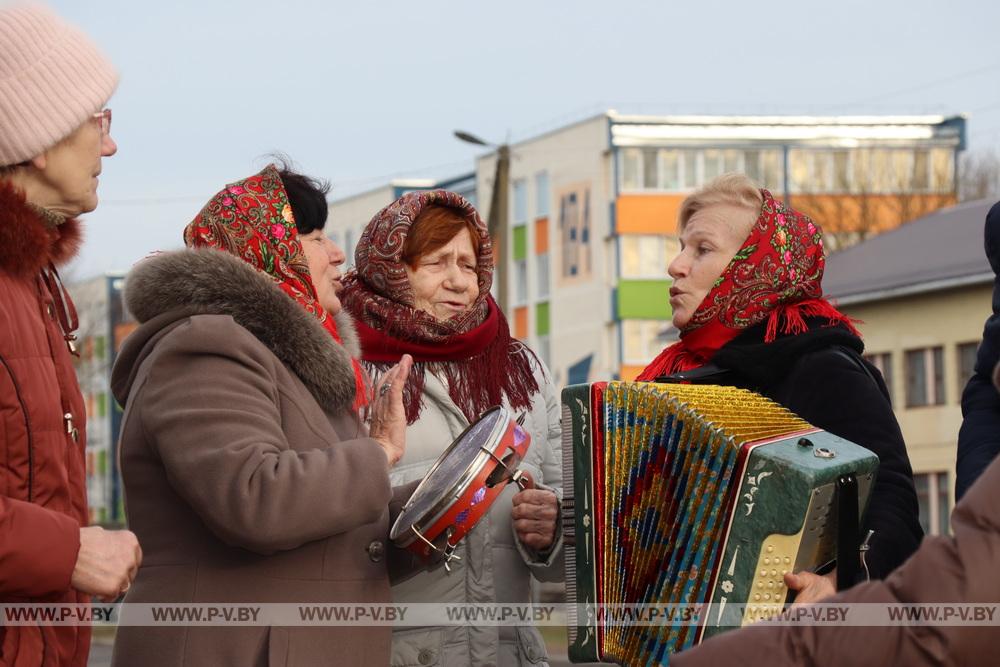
x,y
966,362
521,281
732,160
650,169
711,164
349,248
647,256
924,377
542,194
642,340
670,171
520,201
812,171
543,275
883,362
545,351
942,170
683,169
934,498
841,172
630,169
690,162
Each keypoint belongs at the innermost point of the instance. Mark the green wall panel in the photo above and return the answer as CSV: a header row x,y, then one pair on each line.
x,y
542,318
520,242
644,300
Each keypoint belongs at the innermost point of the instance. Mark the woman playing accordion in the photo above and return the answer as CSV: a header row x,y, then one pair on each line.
x,y
748,301
735,472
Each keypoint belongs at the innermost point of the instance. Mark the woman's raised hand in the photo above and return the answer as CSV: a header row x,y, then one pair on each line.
x,y
387,416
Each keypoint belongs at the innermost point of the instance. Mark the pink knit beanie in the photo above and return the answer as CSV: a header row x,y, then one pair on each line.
x,y
52,78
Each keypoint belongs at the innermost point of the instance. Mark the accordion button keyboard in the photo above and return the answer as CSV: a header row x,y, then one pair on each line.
x,y
773,563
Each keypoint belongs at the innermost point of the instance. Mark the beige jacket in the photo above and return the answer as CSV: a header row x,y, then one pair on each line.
x,y
495,566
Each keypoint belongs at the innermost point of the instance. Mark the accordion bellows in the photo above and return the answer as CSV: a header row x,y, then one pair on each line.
x,y
691,494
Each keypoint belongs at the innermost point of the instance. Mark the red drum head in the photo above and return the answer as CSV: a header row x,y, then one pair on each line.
x,y
459,489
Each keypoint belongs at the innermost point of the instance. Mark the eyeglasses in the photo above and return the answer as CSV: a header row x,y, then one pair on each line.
x,y
103,120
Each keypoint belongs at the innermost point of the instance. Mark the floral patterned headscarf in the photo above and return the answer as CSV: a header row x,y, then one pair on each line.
x,y
380,267
253,220
473,351
775,276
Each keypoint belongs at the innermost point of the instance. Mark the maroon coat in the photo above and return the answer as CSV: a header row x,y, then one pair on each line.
x,y
43,498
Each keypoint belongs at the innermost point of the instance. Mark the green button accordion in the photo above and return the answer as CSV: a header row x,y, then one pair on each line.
x,y
681,495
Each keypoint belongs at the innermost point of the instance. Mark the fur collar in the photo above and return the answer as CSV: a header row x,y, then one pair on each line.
x,y
214,282
28,243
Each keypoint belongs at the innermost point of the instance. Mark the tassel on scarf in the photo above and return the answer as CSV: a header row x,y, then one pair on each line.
x,y
790,319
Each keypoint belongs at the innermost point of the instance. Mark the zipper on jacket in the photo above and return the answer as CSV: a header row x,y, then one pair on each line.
x,y
27,427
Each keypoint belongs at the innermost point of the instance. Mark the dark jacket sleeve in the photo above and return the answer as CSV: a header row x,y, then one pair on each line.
x,y
979,437
944,569
832,392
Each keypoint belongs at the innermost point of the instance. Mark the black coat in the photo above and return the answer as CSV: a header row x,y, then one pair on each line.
x,y
979,437
806,374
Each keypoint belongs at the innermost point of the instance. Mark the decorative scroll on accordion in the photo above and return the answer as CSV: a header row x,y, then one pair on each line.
x,y
690,494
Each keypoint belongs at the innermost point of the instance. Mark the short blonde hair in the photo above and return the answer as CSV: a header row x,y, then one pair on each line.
x,y
733,189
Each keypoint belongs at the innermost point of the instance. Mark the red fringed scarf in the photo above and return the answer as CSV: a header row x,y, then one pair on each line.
x,y
473,352
775,276
253,220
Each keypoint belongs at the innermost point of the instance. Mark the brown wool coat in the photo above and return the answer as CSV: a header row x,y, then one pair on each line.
x,y
43,496
960,568
248,477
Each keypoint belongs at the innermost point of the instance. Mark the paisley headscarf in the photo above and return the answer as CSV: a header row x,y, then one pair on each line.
x,y
775,277
253,220
474,352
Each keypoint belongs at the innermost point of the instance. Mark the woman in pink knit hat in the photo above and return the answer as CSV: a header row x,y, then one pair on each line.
x,y
54,131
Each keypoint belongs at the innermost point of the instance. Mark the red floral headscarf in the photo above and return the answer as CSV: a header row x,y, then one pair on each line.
x,y
252,219
775,276
480,362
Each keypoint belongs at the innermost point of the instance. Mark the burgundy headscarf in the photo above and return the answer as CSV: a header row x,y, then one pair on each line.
x,y
473,351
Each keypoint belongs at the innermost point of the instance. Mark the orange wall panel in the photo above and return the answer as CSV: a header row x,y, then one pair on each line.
x,y
647,213
521,323
874,213
541,236
629,373
657,213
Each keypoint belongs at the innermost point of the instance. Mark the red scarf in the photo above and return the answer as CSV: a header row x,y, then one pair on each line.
x,y
775,276
473,352
253,220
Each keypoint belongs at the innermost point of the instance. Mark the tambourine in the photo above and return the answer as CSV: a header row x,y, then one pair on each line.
x,y
462,485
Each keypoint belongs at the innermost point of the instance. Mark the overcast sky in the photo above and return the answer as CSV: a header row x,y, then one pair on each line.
x,y
366,91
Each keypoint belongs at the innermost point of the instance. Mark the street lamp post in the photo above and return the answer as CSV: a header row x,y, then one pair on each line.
x,y
497,221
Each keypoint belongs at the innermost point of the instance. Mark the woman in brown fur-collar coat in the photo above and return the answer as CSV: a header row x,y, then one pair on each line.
x,y
248,475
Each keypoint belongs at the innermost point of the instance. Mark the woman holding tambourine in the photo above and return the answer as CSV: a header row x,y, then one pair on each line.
x,y
424,267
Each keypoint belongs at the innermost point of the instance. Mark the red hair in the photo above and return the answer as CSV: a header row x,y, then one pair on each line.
x,y
434,227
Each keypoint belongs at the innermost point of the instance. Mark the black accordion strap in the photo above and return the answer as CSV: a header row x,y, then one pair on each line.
x,y
706,373
848,540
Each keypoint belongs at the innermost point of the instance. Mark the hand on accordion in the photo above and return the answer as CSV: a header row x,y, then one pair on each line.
x,y
534,514
811,587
